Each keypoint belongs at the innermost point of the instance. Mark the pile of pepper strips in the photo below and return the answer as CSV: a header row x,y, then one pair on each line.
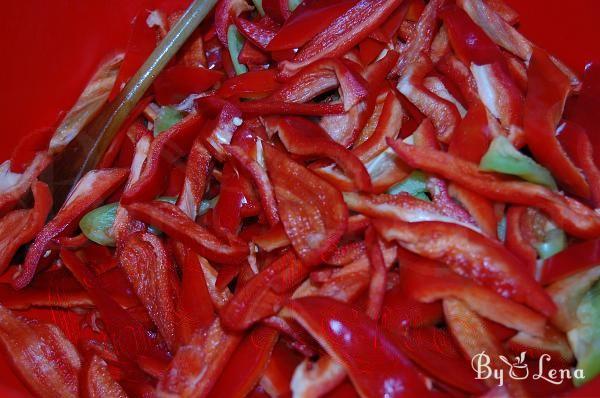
x,y
330,198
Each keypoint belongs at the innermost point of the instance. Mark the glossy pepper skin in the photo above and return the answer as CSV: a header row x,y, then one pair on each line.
x,y
351,337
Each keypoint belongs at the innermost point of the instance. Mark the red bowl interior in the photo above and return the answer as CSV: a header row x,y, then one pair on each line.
x,y
50,49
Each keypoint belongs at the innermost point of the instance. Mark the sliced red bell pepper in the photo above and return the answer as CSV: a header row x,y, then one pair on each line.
x,y
220,131
28,147
347,253
15,186
165,150
264,294
469,254
265,107
21,226
388,29
177,82
175,223
45,359
401,311
96,380
247,364
302,137
197,173
129,337
546,96
307,20
344,128
459,74
438,190
474,338
431,282
258,35
278,10
481,209
377,286
260,179
196,366
152,274
253,85
369,49
576,143
567,213
473,135
516,240
272,239
227,214
317,378
342,34
373,362
588,100
90,191
280,368
576,258
225,13
313,212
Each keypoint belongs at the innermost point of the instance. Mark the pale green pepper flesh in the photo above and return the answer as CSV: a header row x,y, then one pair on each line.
x,y
235,42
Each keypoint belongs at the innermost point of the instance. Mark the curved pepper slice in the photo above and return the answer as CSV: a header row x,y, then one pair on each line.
x,y
197,173
44,358
175,223
575,258
469,254
302,137
28,147
14,186
253,85
20,226
258,35
375,365
97,382
480,208
587,102
567,213
225,13
516,240
342,34
164,150
91,190
247,364
313,212
548,89
152,274
174,84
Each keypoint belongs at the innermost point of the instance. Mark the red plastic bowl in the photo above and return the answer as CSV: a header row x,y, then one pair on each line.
x,y
50,49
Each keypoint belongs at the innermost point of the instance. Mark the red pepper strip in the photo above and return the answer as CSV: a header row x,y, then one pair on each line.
x,y
253,57
253,85
443,113
575,258
272,239
312,211
516,242
458,73
552,342
572,216
247,364
302,137
376,73
473,135
41,354
165,150
433,350
420,42
15,186
496,28
97,382
431,282
220,131
317,379
177,82
196,366
349,337
481,209
377,286
264,294
546,96
587,102
474,338
258,35
342,34
347,254
225,14
401,311
227,214
152,274
576,143
264,107
371,124
369,49
51,289
196,179
387,126
344,128
438,189
194,308
471,255
402,207
388,29
21,226
260,179
90,191
175,223
278,10
307,20
129,337
28,147
320,77
280,368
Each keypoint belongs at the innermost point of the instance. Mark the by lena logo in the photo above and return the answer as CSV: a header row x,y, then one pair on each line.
x,y
518,369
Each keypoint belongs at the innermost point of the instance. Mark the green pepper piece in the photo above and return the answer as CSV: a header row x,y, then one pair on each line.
x,y
585,340
415,185
503,157
555,241
167,117
293,4
259,7
235,41
96,224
